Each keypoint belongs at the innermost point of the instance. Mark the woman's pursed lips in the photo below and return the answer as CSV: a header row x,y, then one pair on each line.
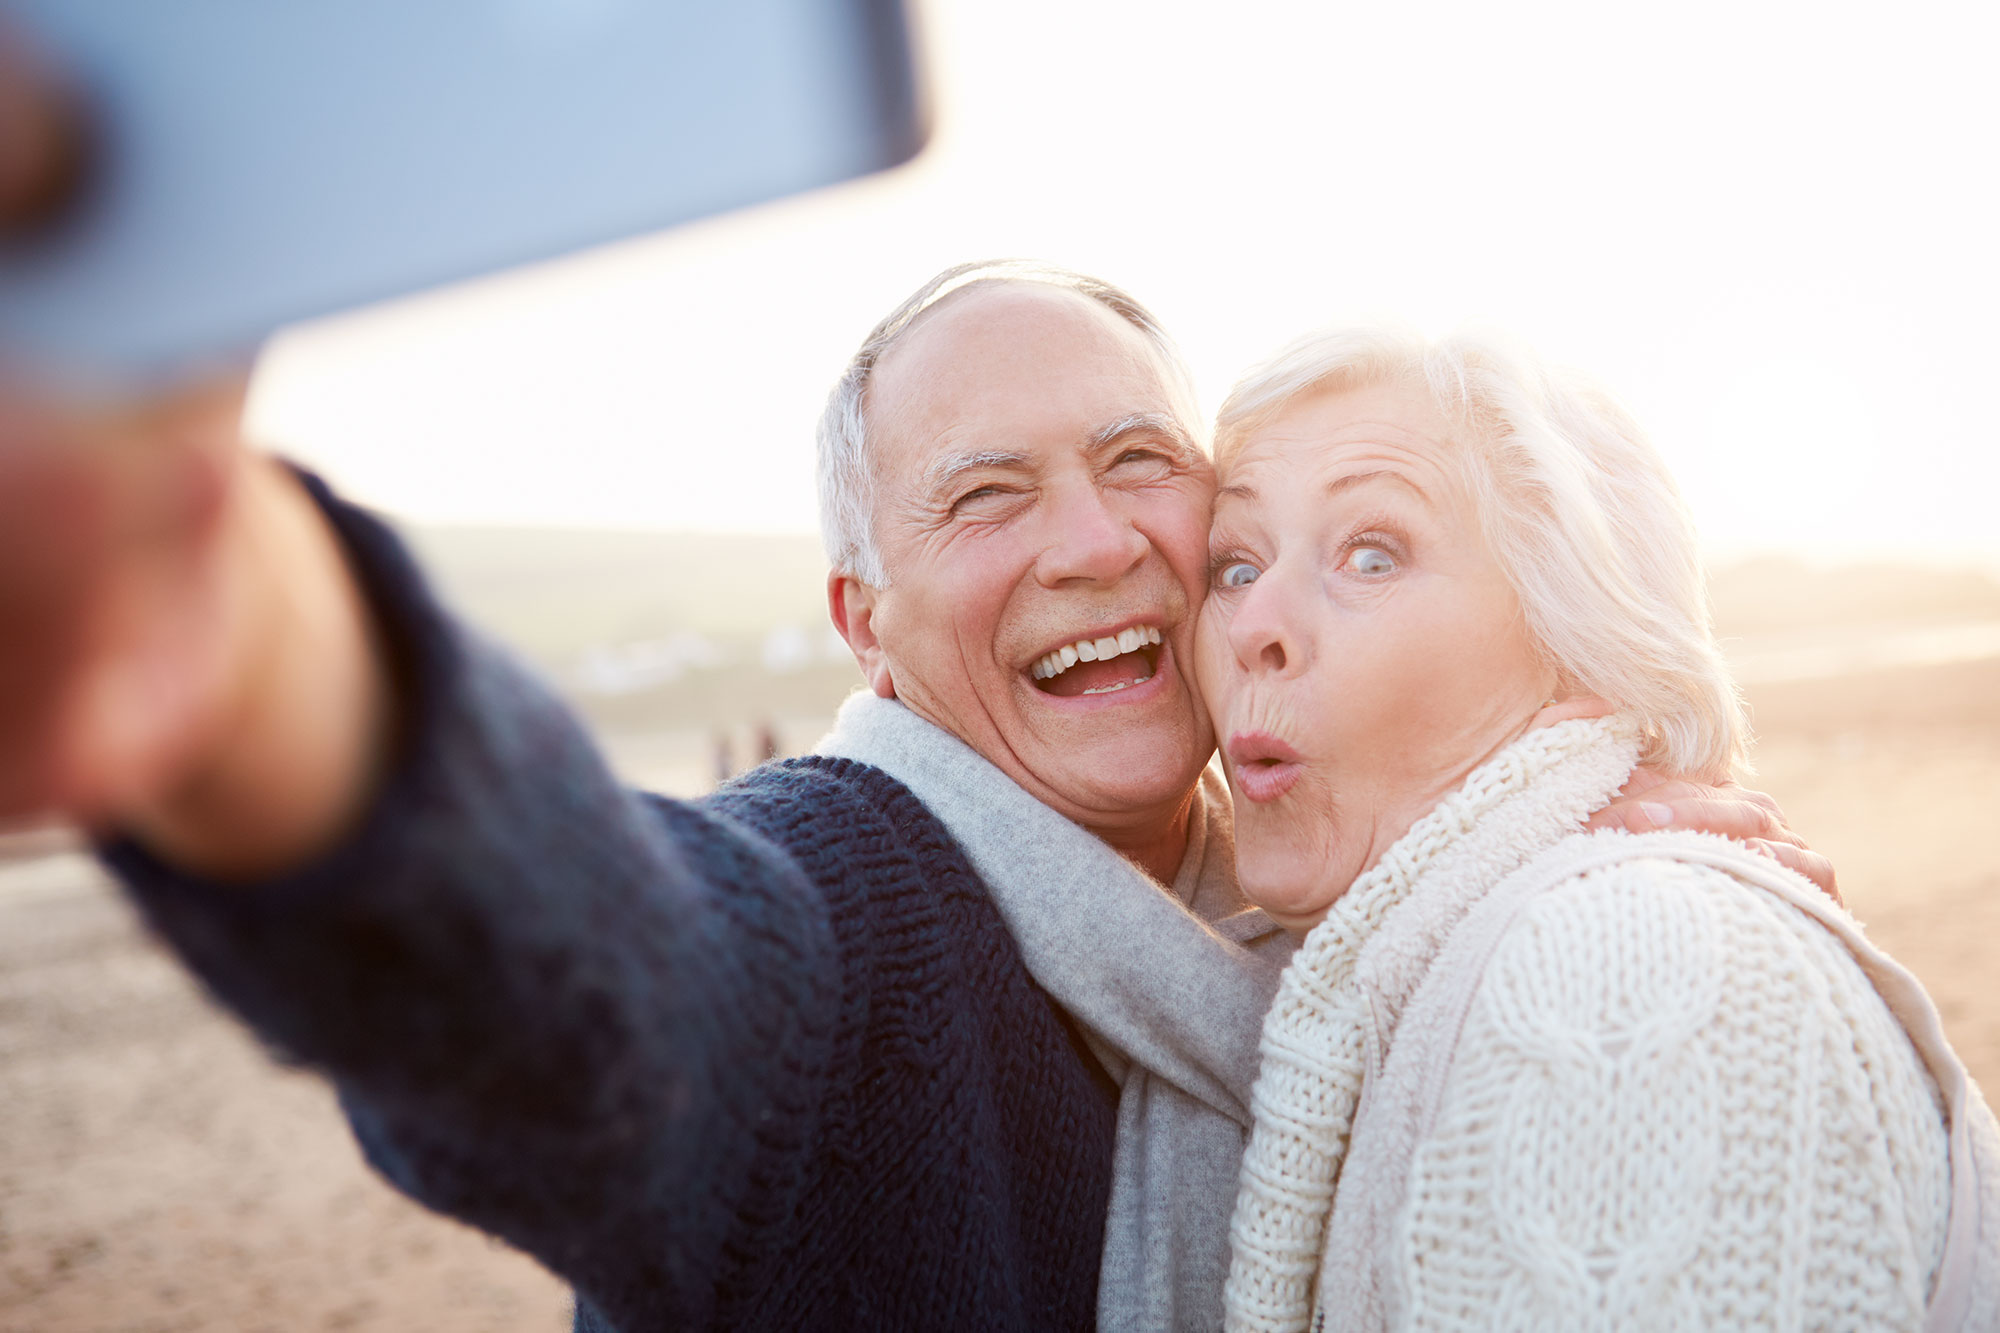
x,y
1264,766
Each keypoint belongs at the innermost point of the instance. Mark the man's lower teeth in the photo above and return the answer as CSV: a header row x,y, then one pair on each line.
x,y
1121,685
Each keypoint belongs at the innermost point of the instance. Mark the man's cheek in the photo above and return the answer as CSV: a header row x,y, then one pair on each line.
x,y
1205,668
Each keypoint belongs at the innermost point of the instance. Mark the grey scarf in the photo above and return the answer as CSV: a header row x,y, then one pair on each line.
x,y
1171,987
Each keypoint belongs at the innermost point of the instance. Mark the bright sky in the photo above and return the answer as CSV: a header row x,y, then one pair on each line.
x,y
1771,229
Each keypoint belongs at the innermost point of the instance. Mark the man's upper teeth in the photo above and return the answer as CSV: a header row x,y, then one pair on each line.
x,y
1094,650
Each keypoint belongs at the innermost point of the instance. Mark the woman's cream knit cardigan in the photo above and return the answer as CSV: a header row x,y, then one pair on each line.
x,y
1603,1081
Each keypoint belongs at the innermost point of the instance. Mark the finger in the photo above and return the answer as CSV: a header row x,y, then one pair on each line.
x,y
1809,863
1650,785
1754,797
1719,810
1679,789
102,512
1644,778
1729,791
77,484
1701,814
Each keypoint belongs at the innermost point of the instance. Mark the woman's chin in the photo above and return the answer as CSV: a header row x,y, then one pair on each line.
x,y
1292,889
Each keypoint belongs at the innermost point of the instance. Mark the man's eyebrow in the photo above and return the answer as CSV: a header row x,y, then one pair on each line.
x,y
1144,423
947,470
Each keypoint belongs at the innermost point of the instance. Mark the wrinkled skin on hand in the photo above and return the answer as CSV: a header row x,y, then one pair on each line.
x,y
1652,801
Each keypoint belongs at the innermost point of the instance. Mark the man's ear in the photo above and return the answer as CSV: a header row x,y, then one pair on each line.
x,y
851,603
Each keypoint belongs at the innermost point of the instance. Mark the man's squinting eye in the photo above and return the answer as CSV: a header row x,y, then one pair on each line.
x,y
1370,560
1152,459
976,495
1235,574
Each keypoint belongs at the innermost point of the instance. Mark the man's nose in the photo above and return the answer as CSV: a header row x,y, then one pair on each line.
x,y
1089,540
1264,631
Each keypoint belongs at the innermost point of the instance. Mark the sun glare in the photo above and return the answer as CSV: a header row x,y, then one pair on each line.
x,y
1766,228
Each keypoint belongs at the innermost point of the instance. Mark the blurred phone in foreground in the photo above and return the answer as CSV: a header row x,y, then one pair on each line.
x,y
212,169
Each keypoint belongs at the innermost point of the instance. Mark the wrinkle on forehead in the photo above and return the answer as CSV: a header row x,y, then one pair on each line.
x,y
1393,423
1334,466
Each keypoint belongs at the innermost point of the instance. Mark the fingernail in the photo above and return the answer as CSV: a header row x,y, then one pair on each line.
x,y
1661,815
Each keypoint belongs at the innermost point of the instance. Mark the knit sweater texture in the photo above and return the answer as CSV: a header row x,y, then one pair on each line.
x,y
768,1060
1600,1081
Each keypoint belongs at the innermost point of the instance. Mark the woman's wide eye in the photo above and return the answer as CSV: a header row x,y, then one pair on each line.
x,y
1236,574
1370,560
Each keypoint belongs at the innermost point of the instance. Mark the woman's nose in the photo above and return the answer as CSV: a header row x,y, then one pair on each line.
x,y
1263,628
1089,540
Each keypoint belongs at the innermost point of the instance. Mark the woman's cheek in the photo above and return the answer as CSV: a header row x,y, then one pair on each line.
x,y
1390,679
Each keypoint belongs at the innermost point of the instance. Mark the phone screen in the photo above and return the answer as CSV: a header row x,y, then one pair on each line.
x,y
253,163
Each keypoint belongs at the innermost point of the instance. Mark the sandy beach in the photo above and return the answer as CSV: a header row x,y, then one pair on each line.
x,y
158,1173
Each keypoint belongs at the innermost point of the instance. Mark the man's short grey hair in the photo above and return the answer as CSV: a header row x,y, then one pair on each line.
x,y
1576,506
846,479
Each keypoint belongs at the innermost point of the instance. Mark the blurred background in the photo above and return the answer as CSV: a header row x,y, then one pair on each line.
x,y
1767,227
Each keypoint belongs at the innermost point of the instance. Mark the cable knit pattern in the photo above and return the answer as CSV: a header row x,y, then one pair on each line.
x,y
1676,1104
1601,1082
1982,1287
769,1060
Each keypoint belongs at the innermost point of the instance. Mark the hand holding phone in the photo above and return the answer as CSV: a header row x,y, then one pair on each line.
x,y
184,653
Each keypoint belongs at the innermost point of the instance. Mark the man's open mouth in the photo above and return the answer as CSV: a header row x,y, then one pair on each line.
x,y
1100,666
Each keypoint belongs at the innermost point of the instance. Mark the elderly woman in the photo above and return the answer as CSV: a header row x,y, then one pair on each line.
x,y
1560,1079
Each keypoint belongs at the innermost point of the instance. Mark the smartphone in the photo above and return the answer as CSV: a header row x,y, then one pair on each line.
x,y
236,165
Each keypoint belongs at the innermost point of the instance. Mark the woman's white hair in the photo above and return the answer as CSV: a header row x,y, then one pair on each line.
x,y
847,482
1577,508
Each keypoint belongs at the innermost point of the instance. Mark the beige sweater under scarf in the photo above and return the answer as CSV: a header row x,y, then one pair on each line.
x,y
1656,1087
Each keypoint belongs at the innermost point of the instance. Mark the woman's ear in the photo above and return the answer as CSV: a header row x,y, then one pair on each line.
x,y
851,605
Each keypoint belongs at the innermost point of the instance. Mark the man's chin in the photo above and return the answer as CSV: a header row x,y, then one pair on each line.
x,y
1106,771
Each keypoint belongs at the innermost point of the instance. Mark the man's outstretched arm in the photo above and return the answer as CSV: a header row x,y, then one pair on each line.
x,y
596,1024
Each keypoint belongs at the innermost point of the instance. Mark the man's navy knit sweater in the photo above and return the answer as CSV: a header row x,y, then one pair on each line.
x,y
765,1060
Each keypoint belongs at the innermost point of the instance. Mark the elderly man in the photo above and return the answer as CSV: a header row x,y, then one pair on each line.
x,y
874,1039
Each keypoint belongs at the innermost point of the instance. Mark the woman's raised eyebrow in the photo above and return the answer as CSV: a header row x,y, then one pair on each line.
x,y
1353,479
1240,491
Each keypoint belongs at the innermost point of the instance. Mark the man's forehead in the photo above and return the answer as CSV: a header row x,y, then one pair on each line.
x,y
1011,366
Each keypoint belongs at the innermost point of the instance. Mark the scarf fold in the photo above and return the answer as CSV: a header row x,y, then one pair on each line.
x,y
1171,999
